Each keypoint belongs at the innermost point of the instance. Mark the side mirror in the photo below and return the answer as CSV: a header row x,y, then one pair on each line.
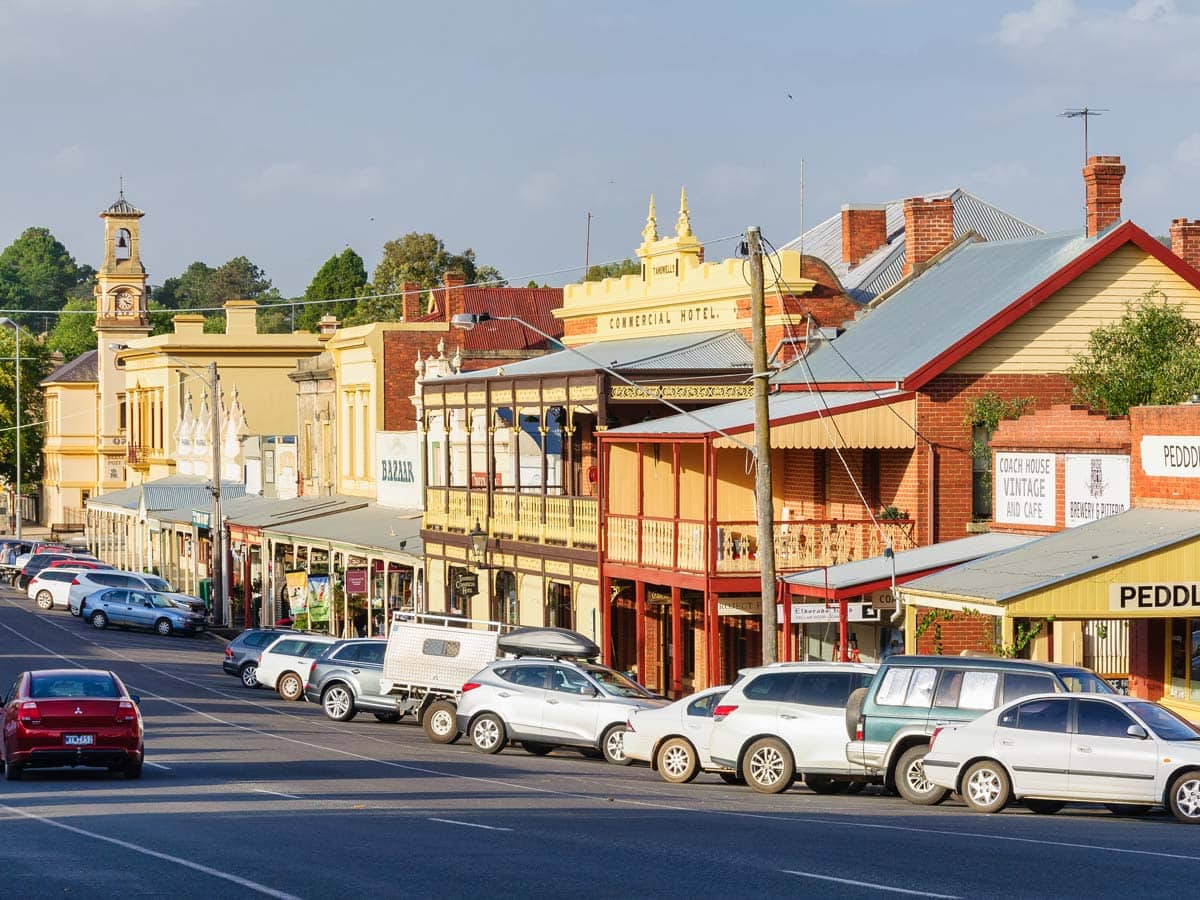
x,y
136,698
147,603
1137,731
591,691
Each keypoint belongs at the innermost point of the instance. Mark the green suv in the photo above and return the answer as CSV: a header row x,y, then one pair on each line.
x,y
890,720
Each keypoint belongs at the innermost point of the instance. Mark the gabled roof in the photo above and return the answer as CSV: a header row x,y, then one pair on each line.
x,y
974,292
81,370
534,305
884,268
170,492
719,350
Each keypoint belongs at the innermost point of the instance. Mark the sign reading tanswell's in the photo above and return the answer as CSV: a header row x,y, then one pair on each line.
x,y
1165,598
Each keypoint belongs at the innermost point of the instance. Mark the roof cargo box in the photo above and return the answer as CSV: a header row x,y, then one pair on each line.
x,y
556,642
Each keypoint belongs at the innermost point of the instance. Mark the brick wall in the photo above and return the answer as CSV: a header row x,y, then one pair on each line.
x,y
1185,240
957,633
1147,490
586,325
1102,178
400,349
928,230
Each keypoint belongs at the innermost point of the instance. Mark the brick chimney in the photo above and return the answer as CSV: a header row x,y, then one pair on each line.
x,y
1185,240
864,230
1102,177
411,300
928,230
454,294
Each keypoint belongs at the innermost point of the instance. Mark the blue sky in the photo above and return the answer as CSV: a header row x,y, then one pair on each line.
x,y
287,130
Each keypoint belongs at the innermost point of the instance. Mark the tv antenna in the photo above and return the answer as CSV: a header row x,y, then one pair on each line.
x,y
1084,113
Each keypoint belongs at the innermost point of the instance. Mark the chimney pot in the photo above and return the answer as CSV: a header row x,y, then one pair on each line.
x,y
455,294
411,301
1102,178
864,230
928,230
1185,240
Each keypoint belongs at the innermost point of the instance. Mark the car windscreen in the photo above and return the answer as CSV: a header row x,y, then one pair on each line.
x,y
50,687
157,584
1081,681
615,683
1165,723
162,601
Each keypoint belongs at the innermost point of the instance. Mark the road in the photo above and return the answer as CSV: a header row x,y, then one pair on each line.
x,y
247,796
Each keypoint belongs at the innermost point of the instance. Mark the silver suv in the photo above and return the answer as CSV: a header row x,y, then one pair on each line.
x,y
345,681
548,703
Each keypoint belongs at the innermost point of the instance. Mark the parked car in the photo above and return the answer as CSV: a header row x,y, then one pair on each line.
x,y
141,609
52,586
1050,749
284,663
241,654
189,602
70,717
89,582
890,721
787,721
547,703
36,563
79,562
675,738
345,681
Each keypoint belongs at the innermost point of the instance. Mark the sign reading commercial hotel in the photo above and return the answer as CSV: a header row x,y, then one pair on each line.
x,y
1096,486
1026,489
1168,597
1171,455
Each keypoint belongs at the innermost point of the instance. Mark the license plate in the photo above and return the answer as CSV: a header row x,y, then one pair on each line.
x,y
79,740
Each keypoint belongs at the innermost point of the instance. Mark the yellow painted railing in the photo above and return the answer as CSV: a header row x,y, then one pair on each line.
x,y
622,539
658,543
526,517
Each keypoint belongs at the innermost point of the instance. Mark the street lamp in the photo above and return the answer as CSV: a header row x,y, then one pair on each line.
x,y
479,539
9,323
216,526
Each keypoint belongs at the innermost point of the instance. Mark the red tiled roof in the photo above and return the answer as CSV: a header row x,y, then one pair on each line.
x,y
534,305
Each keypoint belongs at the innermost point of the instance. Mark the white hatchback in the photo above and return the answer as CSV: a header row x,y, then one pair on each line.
x,y
787,721
674,739
50,588
284,664
1050,749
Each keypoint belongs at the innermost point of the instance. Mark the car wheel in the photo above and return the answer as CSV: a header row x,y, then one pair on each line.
x,y
388,716
823,784
133,769
290,687
44,600
535,748
99,620
731,778
249,675
12,772
985,787
1132,810
1042,807
73,610
677,761
440,722
488,734
163,627
1185,798
612,745
911,781
338,703
768,766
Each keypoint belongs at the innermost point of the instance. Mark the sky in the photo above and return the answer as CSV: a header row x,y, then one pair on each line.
x,y
286,131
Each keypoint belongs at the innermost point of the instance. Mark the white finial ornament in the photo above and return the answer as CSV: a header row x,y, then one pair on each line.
x,y
683,225
650,232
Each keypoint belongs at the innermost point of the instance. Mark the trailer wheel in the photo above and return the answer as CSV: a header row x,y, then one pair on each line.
x,y
440,722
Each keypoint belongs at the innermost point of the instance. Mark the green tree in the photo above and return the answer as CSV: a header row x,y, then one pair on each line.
x,y
38,273
200,286
72,333
35,366
342,275
613,270
1150,356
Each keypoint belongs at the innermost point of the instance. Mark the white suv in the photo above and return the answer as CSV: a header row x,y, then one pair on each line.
x,y
284,663
49,588
785,719
89,582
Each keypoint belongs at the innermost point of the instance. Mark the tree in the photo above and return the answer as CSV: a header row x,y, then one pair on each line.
x,y
1150,356
205,288
613,270
343,275
34,367
72,333
37,272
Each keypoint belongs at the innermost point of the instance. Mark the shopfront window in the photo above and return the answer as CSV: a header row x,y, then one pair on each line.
x,y
1184,674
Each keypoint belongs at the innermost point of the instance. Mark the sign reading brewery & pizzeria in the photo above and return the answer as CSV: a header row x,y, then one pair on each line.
x,y
1179,596
1026,489
1095,486
1171,455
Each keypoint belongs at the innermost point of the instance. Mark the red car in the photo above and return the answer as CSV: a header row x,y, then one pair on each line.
x,y
71,717
78,562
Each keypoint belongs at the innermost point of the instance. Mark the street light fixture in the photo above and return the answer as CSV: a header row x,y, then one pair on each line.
x,y
9,323
479,539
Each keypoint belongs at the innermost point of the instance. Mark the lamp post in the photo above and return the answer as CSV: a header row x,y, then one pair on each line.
x,y
9,323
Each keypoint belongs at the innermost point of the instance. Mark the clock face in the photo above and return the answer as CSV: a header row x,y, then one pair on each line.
x,y
124,303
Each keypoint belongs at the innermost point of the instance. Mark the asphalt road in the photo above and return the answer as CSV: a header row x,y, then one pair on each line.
x,y
244,795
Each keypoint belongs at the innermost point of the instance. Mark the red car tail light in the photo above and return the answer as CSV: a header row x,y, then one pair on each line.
x,y
29,715
228,652
470,686
126,711
722,711
933,737
75,581
859,730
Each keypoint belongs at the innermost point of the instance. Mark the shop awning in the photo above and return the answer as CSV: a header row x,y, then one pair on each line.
x,y
1074,572
371,530
865,575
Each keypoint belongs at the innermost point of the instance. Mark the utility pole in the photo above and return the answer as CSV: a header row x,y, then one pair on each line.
x,y
215,529
764,502
587,247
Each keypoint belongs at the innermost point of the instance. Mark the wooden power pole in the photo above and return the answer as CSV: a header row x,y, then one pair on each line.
x,y
764,502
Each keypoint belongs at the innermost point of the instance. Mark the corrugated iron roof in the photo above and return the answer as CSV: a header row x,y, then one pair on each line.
x,y
534,305
882,269
372,527
170,492
122,207
907,562
938,309
1063,556
81,370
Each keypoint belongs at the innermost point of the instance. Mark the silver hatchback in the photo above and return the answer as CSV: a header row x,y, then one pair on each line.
x,y
547,703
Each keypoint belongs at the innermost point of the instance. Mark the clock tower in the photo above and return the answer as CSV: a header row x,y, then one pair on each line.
x,y
121,315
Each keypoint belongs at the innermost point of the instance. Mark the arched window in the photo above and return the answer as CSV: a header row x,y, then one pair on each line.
x,y
123,246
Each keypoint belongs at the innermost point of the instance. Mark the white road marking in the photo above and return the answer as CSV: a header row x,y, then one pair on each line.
x,y
276,793
166,857
871,885
147,762
469,824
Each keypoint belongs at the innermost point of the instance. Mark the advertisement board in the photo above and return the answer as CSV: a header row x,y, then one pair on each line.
x,y
1095,486
1026,489
398,469
318,598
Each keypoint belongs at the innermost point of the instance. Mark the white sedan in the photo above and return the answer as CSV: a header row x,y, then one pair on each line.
x,y
674,739
1048,750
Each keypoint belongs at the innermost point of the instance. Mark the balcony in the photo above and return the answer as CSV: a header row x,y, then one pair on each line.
x,y
682,546
550,520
